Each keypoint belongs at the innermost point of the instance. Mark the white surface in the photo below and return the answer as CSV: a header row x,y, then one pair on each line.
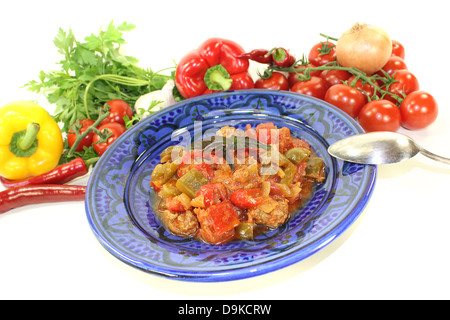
x,y
397,249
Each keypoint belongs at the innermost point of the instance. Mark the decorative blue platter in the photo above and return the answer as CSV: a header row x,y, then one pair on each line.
x,y
120,206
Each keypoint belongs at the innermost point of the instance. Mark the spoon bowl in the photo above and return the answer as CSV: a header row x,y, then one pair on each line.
x,y
381,147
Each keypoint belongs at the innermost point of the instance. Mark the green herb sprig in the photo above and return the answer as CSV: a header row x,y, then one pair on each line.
x,y
93,72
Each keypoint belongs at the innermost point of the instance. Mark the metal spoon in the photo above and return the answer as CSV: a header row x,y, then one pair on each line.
x,y
379,148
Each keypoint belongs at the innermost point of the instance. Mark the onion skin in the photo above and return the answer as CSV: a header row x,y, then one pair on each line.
x,y
365,47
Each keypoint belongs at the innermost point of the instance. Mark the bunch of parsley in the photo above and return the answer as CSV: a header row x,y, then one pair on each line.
x,y
93,72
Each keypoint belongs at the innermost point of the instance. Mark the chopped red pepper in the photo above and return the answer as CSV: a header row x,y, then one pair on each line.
x,y
246,198
214,66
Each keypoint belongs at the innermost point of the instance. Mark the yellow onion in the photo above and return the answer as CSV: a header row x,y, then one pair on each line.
x,y
365,47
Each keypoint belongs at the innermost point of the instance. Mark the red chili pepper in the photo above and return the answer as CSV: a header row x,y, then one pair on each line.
x,y
282,58
258,55
60,175
214,66
34,194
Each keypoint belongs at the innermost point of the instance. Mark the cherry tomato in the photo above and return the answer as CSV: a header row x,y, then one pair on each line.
x,y
322,53
87,140
380,115
405,83
315,87
394,64
398,49
333,77
418,110
277,81
293,76
241,81
367,89
115,128
117,110
346,98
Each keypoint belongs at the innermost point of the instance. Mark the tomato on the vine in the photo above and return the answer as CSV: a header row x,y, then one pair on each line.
x,y
315,87
366,88
380,115
346,98
116,129
398,49
322,53
405,83
335,76
86,141
293,76
276,81
118,109
418,110
394,64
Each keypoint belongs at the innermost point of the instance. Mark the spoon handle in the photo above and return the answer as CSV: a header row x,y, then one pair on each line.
x,y
435,156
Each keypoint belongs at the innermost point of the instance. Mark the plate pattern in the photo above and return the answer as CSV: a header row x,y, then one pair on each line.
x,y
120,211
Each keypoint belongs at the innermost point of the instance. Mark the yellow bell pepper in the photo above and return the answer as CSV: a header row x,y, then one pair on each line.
x,y
31,142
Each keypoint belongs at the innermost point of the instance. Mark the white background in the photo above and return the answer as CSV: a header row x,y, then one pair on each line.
x,y
397,249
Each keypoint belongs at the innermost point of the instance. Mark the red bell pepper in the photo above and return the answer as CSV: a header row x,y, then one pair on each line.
x,y
214,66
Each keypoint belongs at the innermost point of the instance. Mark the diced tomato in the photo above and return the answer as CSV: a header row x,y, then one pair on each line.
x,y
218,222
264,132
246,198
157,185
301,170
213,193
284,139
223,217
174,204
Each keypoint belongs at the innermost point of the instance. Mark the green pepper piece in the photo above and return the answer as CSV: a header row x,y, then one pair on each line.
x,y
289,173
191,182
245,230
298,155
164,171
169,190
315,169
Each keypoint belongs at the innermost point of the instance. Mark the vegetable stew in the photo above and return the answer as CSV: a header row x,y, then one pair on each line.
x,y
235,186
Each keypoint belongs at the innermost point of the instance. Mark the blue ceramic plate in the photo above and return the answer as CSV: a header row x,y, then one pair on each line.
x,y
120,207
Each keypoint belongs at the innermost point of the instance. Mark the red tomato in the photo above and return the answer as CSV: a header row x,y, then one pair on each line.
x,y
241,81
322,53
394,64
380,115
246,198
277,81
115,128
87,140
293,76
213,193
117,110
398,49
346,98
367,89
315,87
418,110
405,83
333,77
